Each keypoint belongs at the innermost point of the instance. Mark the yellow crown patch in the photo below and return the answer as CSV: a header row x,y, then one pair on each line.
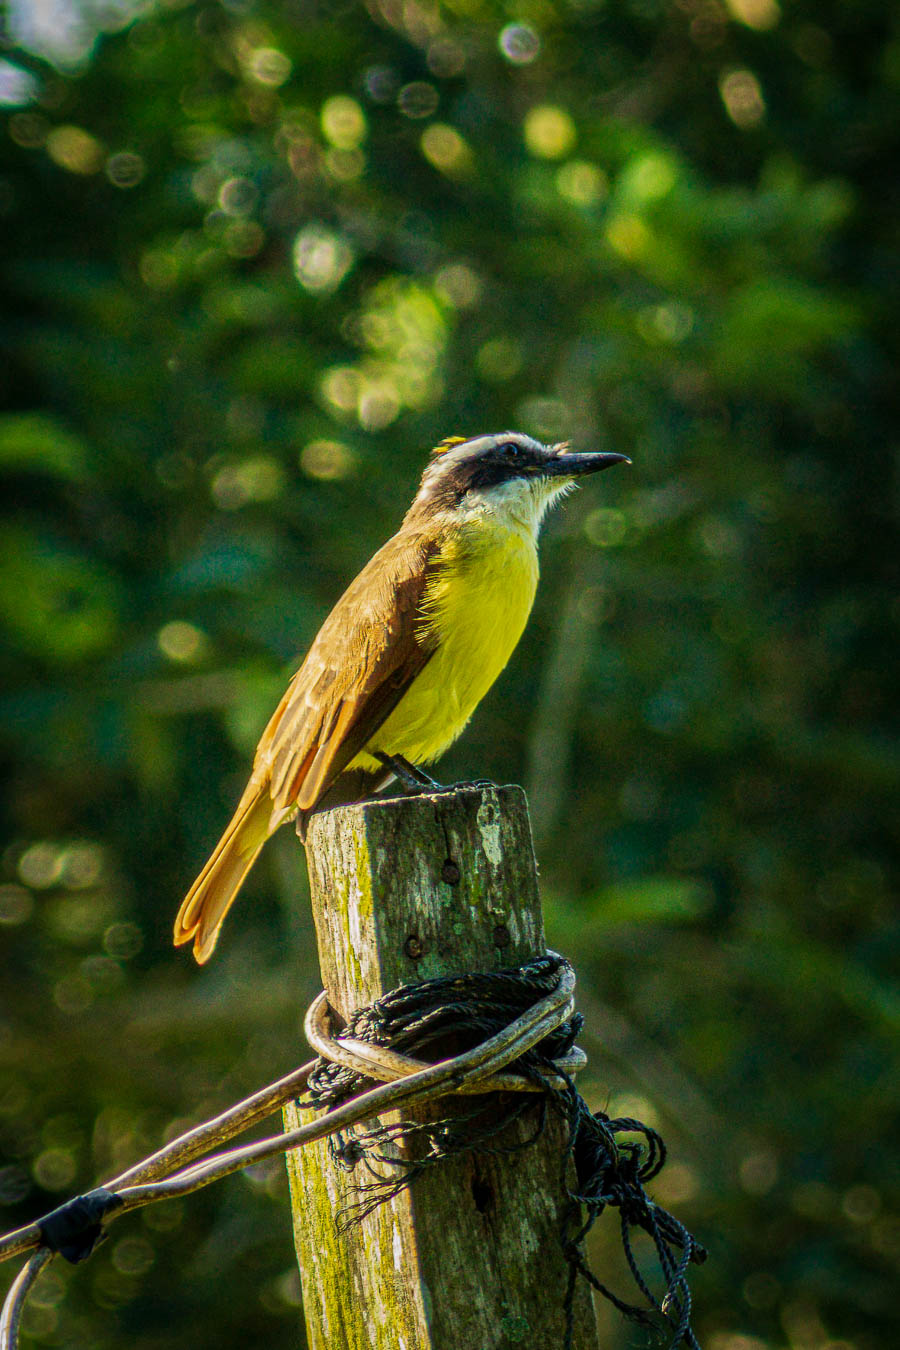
x,y
448,443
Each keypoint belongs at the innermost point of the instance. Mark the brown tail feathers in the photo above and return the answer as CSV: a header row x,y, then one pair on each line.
x,y
256,818
212,894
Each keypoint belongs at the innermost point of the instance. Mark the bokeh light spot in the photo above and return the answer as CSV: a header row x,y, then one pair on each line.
x,y
205,184
259,479
669,323
443,147
327,460
380,83
581,183
344,166
446,57
885,1238
125,169
81,866
104,975
321,259
30,130
16,905
133,1256
111,1289
54,1169
606,527
861,1203
458,285
50,1292
549,132
379,405
628,236
499,359
418,99
40,866
181,641
673,321
14,1185
718,537
743,98
814,45
340,388
759,14
758,1171
78,919
679,1184
519,43
737,1340
123,940
289,1290
75,150
343,122
269,66
159,269
244,239
17,86
634,1106
238,196
649,178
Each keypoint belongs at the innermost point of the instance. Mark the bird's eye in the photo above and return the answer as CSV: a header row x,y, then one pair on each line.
x,y
510,450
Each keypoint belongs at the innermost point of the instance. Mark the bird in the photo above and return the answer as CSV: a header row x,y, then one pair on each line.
x,y
408,652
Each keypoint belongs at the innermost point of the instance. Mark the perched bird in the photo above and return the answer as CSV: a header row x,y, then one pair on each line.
x,y
405,656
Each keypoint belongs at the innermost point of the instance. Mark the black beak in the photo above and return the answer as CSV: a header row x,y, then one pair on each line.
x,y
565,465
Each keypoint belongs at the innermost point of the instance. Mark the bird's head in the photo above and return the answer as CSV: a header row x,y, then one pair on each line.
x,y
508,475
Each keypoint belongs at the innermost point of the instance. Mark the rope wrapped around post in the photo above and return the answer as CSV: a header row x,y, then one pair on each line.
x,y
609,1172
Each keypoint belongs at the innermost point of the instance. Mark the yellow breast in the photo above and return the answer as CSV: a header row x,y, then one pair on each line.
x,y
476,606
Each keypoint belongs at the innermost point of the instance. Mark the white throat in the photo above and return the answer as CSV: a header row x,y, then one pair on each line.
x,y
518,505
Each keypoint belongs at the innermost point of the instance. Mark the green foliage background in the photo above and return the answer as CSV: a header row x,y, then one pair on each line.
x,y
257,258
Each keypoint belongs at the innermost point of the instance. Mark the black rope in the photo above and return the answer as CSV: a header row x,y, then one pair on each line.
x,y
611,1167
613,1172
463,1008
76,1228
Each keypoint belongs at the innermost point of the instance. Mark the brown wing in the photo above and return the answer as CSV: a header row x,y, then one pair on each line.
x,y
365,657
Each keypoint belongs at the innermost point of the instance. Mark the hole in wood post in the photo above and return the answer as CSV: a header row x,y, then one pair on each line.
x,y
482,1193
414,947
450,872
501,935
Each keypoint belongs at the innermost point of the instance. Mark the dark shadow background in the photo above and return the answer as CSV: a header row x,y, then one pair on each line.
x,y
257,259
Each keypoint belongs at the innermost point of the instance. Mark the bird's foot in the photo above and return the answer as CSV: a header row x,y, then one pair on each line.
x,y
413,779
416,782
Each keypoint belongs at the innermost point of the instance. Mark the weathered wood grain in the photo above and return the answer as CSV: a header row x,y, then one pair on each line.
x,y
469,1258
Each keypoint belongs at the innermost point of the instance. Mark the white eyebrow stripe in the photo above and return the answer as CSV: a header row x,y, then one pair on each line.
x,y
479,444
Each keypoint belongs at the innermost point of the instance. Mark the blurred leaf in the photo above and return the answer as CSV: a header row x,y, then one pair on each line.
x,y
55,604
40,442
773,328
653,899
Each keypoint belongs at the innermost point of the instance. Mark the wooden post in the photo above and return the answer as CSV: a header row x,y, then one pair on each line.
x,y
469,1258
